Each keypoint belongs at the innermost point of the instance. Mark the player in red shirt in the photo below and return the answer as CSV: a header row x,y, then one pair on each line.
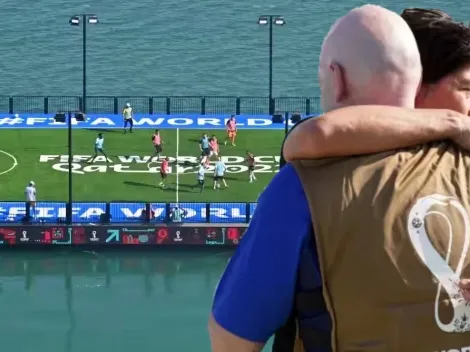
x,y
251,166
164,170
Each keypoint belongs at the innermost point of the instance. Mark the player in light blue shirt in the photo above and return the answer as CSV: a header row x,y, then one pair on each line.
x,y
204,145
219,172
99,148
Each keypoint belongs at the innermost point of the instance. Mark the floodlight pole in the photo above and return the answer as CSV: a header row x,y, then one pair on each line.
x,y
84,21
75,20
68,210
271,60
271,19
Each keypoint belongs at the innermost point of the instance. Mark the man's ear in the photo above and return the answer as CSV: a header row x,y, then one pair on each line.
x,y
339,82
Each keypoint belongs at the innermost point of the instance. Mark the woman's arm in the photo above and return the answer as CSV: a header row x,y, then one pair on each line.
x,y
370,129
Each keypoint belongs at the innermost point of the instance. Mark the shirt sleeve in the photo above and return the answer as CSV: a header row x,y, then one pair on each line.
x,y
255,295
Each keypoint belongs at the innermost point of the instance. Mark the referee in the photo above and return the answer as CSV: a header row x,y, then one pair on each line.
x,y
128,117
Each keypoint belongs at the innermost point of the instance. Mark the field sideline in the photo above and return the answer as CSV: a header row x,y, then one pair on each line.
x,y
41,155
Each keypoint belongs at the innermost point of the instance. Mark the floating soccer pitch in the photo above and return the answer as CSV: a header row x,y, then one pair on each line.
x,y
132,173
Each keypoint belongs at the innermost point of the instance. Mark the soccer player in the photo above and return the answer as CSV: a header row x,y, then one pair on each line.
x,y
219,172
214,146
164,170
251,166
128,117
204,145
231,127
99,148
157,143
201,172
206,161
30,193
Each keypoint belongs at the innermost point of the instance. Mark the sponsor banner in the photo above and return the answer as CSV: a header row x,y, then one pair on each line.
x,y
124,212
116,235
52,212
109,121
227,212
144,164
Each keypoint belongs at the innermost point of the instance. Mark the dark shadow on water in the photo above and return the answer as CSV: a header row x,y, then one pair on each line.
x,y
139,184
104,130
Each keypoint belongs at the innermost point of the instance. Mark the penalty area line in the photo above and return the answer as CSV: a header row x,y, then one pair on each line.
x,y
15,162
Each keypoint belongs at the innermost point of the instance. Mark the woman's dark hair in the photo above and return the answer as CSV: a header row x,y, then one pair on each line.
x,y
444,45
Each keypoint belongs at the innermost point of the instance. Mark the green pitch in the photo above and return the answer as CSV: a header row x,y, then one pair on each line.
x,y
41,156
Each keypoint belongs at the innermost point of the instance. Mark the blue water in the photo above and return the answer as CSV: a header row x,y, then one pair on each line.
x,y
167,47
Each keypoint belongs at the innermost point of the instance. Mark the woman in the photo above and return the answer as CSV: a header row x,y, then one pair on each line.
x,y
444,46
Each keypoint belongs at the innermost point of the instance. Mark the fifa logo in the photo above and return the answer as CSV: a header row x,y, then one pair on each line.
x,y
446,277
93,237
23,237
178,237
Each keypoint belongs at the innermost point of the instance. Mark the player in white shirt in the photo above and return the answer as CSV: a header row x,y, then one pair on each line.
x,y
30,194
99,148
201,173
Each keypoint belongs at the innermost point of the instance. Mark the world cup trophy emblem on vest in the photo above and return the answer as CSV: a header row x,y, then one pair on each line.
x,y
447,279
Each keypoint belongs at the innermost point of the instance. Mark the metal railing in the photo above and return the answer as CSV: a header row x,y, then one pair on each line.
x,y
203,105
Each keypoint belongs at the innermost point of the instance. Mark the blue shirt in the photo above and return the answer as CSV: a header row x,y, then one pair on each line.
x,y
255,295
204,142
219,168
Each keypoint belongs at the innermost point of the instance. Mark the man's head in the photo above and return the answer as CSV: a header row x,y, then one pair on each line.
x,y
444,47
369,57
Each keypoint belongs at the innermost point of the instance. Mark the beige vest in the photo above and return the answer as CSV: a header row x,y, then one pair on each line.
x,y
393,235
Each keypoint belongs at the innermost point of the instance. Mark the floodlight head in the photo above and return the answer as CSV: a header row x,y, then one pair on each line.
x,y
93,19
263,20
74,20
279,21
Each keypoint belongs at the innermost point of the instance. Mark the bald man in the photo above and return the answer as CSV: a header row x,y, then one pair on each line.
x,y
278,264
